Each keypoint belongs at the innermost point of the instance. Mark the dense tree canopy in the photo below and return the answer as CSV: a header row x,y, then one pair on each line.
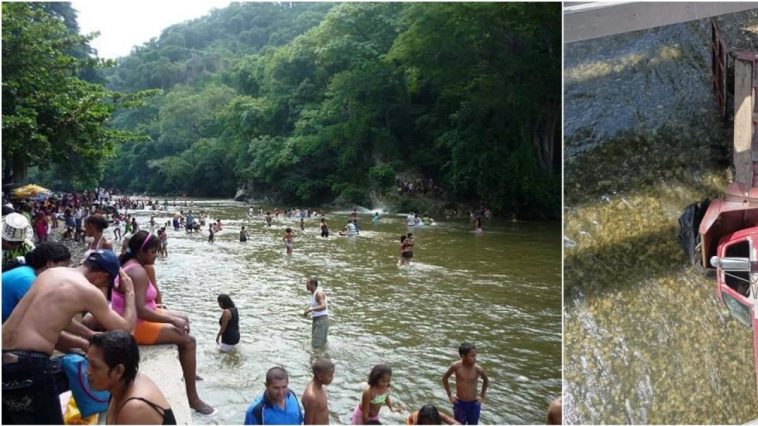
x,y
312,103
54,111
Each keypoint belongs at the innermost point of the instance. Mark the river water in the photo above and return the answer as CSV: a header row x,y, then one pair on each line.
x,y
501,290
646,340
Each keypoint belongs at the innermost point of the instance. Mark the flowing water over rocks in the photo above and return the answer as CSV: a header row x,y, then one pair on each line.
x,y
500,290
646,340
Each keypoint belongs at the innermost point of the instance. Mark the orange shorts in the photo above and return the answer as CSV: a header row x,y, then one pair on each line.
x,y
146,332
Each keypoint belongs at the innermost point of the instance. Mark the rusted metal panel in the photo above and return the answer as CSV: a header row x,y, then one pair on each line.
x,y
718,67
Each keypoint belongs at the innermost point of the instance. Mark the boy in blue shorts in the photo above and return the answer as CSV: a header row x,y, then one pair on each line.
x,y
467,405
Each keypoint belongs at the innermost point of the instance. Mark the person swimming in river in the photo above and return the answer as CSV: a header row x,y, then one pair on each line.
x,y
375,396
478,225
243,234
376,217
268,219
289,240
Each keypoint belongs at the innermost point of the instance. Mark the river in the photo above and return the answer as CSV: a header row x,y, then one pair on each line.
x,y
500,290
646,340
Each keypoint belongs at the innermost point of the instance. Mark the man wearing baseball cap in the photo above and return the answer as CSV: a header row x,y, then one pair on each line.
x,y
17,234
35,325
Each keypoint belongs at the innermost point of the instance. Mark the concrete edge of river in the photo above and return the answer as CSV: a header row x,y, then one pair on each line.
x,y
161,364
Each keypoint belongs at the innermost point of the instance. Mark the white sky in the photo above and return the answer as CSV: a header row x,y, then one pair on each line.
x,y
124,24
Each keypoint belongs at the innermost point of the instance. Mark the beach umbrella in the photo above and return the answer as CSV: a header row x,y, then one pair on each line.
x,y
31,190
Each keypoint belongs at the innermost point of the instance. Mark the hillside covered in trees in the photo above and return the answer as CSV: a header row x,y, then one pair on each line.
x,y
316,103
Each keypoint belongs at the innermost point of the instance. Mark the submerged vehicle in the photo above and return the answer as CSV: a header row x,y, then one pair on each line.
x,y
722,234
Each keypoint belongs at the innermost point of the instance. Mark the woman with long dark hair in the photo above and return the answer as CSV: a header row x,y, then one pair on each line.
x,y
94,227
155,325
229,331
135,399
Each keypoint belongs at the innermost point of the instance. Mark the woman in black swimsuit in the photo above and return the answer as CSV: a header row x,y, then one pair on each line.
x,y
135,399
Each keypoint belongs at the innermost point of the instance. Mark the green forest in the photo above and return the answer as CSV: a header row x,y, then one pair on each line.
x,y
299,103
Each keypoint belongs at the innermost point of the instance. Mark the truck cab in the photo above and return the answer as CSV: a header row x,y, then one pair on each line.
x,y
736,266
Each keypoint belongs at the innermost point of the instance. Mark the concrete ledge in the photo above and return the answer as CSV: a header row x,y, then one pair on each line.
x,y
161,364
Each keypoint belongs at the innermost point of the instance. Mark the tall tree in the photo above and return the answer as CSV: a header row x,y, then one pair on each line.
x,y
50,115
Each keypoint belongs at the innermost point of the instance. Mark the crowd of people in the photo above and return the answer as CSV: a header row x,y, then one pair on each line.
x,y
44,298
418,185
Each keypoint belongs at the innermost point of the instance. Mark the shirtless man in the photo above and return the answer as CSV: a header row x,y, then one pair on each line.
x,y
314,398
30,392
466,404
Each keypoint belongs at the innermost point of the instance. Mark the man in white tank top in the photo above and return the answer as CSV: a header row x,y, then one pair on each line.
x,y
319,312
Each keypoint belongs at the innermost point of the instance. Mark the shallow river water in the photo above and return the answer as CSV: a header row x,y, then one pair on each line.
x,y
501,290
646,339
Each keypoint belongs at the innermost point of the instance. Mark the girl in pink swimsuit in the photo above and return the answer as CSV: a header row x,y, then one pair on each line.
x,y
376,395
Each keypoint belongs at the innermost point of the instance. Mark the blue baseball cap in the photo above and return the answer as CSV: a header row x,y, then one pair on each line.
x,y
105,260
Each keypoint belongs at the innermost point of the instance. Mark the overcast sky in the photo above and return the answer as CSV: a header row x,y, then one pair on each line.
x,y
124,24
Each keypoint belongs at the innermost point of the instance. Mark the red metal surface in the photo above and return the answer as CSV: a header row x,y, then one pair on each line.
x,y
730,213
735,215
722,287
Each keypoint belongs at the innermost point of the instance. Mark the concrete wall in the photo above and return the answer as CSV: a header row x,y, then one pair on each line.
x,y
161,364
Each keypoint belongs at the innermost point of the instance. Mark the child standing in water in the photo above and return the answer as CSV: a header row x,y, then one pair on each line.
x,y
164,241
314,398
116,229
128,226
376,395
467,405
243,234
289,239
210,233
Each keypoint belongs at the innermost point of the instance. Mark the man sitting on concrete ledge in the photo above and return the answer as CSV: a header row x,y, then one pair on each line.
x,y
30,391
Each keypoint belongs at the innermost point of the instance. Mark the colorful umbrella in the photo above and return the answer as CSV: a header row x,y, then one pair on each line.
x,y
30,190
